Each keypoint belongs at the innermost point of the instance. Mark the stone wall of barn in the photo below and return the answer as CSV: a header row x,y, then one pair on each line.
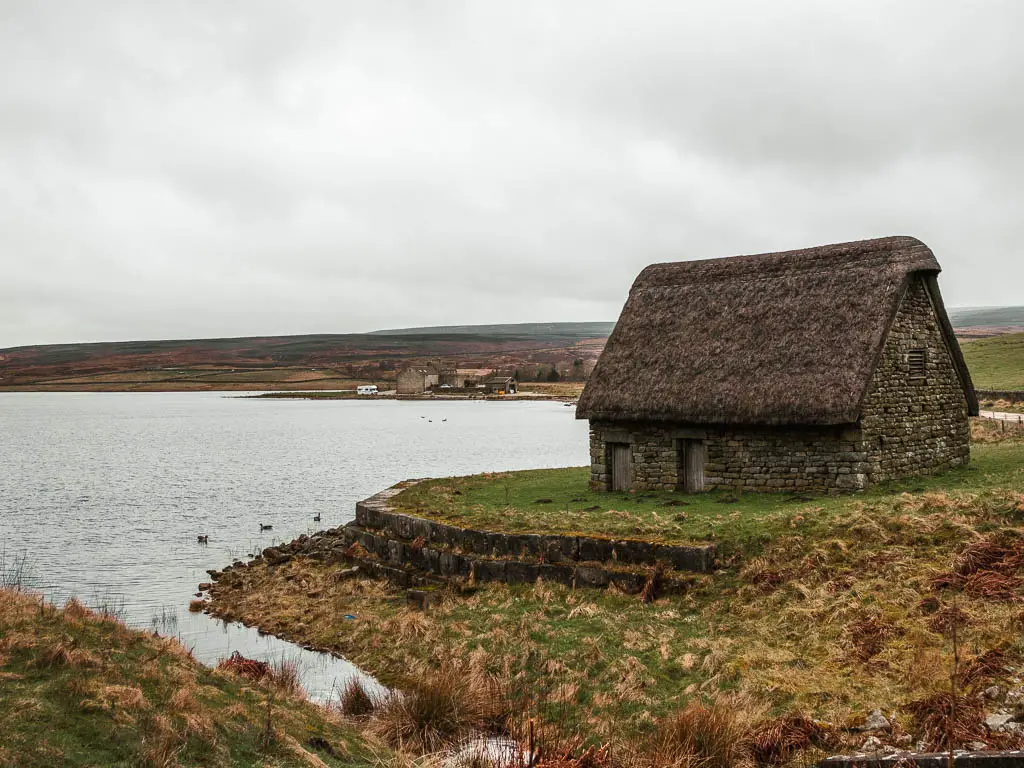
x,y
915,425
756,459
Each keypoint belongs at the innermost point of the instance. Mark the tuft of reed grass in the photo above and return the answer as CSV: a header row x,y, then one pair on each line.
x,y
591,757
285,677
64,653
709,736
777,741
356,701
14,572
441,706
75,610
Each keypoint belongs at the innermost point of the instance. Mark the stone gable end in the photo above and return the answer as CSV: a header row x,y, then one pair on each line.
x,y
915,424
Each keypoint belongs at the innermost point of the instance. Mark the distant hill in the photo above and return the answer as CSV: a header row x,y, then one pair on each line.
x,y
291,362
333,361
969,317
511,330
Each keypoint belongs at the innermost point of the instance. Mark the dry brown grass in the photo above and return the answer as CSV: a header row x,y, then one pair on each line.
x,y
123,697
296,749
946,721
76,611
161,745
869,636
776,741
250,669
284,677
948,619
356,701
705,735
995,664
63,653
138,696
994,431
591,757
437,707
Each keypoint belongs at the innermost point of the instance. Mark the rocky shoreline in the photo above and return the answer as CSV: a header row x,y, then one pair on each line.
x,y
411,551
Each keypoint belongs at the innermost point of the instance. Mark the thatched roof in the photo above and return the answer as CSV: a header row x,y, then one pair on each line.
x,y
776,338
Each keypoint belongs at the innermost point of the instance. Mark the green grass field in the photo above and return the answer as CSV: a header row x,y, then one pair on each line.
x,y
996,363
559,501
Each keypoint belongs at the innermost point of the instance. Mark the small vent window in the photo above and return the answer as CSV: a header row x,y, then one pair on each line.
x,y
917,362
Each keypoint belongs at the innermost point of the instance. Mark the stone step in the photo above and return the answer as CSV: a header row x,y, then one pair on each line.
x,y
377,514
431,567
408,564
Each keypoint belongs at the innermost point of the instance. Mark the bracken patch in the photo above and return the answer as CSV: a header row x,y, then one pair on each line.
x,y
869,637
946,721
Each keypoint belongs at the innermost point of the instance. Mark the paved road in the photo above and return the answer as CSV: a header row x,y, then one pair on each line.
x,y
1001,416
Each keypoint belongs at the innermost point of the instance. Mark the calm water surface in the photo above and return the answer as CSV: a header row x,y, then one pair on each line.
x,y
105,493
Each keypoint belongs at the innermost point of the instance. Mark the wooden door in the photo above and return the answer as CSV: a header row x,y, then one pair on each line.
x,y
622,466
691,465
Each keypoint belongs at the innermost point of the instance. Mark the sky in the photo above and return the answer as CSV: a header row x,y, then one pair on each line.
x,y
196,169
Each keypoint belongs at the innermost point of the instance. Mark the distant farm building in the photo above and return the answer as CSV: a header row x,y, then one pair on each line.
x,y
416,381
471,377
419,379
827,368
500,385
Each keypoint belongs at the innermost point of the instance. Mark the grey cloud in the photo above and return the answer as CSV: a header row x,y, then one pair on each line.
x,y
195,169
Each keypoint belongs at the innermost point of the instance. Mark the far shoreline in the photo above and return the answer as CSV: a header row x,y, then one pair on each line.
x,y
347,395
258,393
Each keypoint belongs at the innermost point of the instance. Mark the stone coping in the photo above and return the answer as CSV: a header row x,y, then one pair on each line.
x,y
1011,759
1010,395
376,513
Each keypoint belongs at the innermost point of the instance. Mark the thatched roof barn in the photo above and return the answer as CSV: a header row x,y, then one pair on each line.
x,y
797,339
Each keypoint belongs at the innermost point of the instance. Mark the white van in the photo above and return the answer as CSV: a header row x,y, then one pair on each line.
x,y
366,389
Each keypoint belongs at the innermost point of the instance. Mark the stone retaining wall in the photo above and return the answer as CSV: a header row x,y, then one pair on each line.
x,y
413,551
409,565
376,513
1010,395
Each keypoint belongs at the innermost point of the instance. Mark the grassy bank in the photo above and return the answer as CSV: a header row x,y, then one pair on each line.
x,y
996,363
314,395
78,688
559,501
570,389
533,391
828,609
1003,406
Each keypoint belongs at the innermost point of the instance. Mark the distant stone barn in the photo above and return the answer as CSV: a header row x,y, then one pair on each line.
x,y
830,368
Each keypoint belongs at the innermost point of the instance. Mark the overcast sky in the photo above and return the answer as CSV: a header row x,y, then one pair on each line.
x,y
179,169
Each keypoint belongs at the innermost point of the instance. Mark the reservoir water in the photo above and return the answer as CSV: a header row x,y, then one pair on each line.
x,y
104,494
